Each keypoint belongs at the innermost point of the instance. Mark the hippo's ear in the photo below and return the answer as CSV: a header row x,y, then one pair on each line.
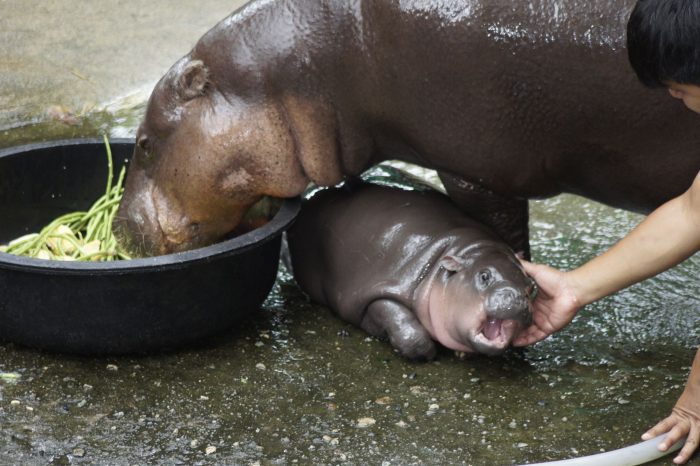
x,y
452,263
193,80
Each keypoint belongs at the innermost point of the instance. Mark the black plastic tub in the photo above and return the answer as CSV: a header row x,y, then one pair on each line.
x,y
136,306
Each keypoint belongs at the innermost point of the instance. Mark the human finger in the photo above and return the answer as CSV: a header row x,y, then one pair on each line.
x,y
530,335
676,433
546,277
529,267
691,443
661,427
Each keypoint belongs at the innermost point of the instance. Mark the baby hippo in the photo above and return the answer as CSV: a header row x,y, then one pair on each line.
x,y
410,266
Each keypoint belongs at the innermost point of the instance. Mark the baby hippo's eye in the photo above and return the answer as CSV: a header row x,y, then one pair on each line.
x,y
485,277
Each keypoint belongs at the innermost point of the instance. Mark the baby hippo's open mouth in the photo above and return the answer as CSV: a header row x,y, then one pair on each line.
x,y
496,335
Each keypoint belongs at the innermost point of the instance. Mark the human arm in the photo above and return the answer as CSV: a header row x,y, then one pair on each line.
x,y
666,237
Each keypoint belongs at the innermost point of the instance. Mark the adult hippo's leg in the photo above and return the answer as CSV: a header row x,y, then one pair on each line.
x,y
507,216
405,332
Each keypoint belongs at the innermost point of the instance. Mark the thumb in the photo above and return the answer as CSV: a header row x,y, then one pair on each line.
x,y
531,268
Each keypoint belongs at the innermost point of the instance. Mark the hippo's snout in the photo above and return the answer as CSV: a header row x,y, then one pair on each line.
x,y
507,312
136,223
508,303
136,231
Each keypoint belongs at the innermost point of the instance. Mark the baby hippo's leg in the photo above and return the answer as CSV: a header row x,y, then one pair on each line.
x,y
405,332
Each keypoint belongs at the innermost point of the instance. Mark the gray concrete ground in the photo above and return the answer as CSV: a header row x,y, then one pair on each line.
x,y
295,385
73,68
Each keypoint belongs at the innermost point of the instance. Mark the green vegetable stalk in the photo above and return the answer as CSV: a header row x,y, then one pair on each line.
x,y
79,236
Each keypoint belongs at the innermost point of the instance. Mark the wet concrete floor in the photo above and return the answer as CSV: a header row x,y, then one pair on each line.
x,y
295,385
72,69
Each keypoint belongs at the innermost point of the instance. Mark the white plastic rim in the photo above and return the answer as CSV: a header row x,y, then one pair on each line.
x,y
633,455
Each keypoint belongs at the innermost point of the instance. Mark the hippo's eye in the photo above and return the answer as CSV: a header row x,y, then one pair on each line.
x,y
144,145
485,277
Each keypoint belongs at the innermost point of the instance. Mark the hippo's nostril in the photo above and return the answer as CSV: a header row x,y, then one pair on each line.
x,y
505,297
508,303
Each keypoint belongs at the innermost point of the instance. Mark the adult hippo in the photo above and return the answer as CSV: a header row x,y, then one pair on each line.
x,y
507,100
410,266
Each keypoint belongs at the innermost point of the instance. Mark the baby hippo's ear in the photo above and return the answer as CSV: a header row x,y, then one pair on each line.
x,y
452,264
193,80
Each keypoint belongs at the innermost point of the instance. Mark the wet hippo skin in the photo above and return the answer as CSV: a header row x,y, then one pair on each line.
x,y
410,266
507,100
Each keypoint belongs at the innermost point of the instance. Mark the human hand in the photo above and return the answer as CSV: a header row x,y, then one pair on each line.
x,y
683,421
555,306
